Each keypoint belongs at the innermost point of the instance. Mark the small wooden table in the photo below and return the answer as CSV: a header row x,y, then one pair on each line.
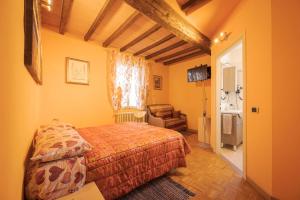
x,y
89,191
204,124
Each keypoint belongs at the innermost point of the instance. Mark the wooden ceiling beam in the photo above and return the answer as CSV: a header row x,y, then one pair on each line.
x,y
141,37
190,3
155,44
182,58
107,5
122,28
164,15
64,14
178,53
168,48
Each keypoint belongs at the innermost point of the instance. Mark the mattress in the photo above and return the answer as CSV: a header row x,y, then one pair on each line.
x,y
125,156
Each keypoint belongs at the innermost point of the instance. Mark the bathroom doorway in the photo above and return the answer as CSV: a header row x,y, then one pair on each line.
x,y
231,140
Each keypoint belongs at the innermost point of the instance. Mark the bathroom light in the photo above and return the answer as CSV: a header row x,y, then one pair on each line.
x,y
222,34
49,2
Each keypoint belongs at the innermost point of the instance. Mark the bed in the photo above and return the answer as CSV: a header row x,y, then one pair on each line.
x,y
125,156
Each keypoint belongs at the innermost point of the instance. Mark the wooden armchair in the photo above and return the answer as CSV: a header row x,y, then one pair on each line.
x,y
163,115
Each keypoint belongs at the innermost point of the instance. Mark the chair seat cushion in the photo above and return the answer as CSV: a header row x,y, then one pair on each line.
x,y
173,122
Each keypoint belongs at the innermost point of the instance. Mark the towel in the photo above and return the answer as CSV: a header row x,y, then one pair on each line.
x,y
227,124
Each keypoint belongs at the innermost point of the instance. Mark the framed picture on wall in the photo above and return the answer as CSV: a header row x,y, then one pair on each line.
x,y
77,71
157,82
33,47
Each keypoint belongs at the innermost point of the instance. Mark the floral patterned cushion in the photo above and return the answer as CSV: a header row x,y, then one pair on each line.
x,y
58,141
51,180
55,124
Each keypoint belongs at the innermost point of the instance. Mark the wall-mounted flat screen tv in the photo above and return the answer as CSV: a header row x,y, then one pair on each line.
x,y
199,73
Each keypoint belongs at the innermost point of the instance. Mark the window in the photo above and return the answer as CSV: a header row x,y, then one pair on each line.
x,y
129,81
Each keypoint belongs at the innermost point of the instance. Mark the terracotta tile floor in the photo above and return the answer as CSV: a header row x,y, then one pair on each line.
x,y
210,177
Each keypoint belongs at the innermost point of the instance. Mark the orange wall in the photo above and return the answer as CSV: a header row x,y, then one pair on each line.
x,y
252,18
82,105
19,104
158,96
286,98
188,97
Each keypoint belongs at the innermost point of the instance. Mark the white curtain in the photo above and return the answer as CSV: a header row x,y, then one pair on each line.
x,y
128,79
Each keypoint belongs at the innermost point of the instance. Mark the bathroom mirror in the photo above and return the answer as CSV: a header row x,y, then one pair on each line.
x,y
229,79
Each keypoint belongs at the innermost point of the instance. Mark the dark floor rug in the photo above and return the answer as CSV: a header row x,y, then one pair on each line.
x,y
163,188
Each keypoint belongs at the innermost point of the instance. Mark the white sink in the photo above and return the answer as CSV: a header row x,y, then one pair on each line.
x,y
232,111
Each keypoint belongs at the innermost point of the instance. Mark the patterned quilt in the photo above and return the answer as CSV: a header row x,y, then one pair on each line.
x,y
125,156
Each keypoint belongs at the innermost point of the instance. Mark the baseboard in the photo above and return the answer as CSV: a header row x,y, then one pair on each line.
x,y
261,191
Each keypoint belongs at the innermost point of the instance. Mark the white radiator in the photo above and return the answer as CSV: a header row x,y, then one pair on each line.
x,y
130,116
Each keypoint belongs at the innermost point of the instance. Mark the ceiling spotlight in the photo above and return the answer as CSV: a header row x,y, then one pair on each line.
x,y
48,7
47,4
222,37
216,40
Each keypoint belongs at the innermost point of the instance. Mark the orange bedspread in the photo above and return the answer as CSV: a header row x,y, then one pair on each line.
x,y
125,156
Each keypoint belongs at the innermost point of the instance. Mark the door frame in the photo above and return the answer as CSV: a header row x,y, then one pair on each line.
x,y
242,39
